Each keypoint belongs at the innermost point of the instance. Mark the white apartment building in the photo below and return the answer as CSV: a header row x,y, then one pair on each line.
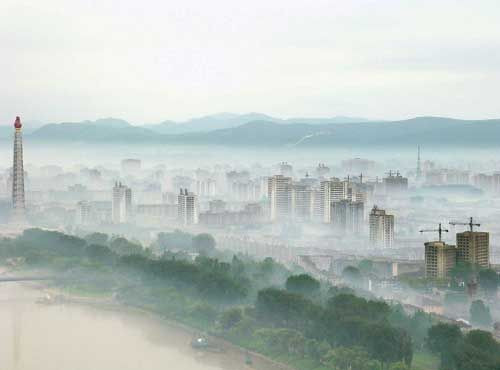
x,y
187,208
381,228
122,203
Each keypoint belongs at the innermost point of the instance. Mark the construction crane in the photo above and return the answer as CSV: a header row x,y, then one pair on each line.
x,y
471,224
439,230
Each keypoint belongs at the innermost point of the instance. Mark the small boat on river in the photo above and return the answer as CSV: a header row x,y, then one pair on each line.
x,y
202,342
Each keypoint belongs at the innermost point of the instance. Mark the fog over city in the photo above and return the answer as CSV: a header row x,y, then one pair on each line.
x,y
235,185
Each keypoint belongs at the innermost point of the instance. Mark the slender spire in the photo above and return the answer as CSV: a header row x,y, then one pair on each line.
x,y
18,201
419,170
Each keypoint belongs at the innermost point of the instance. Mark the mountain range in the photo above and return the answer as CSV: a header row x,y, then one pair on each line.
x,y
255,129
229,120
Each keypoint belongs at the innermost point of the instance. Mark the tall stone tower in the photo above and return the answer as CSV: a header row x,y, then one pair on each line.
x,y
18,204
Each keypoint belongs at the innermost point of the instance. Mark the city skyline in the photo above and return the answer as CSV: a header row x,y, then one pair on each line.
x,y
250,185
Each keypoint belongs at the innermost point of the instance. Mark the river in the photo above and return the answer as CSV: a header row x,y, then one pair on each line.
x,y
37,336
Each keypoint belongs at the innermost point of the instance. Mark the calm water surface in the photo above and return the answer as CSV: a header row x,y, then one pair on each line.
x,y
72,337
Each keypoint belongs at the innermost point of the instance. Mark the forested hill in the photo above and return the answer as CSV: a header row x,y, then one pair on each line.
x,y
269,133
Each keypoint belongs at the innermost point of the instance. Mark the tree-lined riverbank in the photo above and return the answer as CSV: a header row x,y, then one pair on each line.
x,y
257,305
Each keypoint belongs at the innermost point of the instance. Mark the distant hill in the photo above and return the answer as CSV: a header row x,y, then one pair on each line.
x,y
429,130
207,123
230,120
324,121
437,131
108,129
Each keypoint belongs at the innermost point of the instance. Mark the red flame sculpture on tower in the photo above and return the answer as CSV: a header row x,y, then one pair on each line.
x,y
18,124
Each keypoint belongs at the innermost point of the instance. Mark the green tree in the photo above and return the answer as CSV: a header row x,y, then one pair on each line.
x,y
420,323
480,314
237,267
388,344
302,284
204,244
399,366
52,243
244,329
281,341
203,312
335,290
124,247
488,281
351,358
443,339
100,253
284,309
482,339
316,350
463,272
230,318
97,238
173,241
479,351
416,325
350,306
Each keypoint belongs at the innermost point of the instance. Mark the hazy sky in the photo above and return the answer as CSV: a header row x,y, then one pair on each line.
x,y
146,61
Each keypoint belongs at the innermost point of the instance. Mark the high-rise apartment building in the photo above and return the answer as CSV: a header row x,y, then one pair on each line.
x,y
381,228
395,183
245,191
83,213
233,176
457,177
217,206
122,203
488,183
18,201
339,190
279,193
474,247
187,208
347,216
317,204
356,165
338,214
286,169
356,217
322,170
302,202
94,212
335,190
206,187
440,258
325,201
131,166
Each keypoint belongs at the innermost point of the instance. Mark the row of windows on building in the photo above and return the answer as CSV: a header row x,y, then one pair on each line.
x,y
471,246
